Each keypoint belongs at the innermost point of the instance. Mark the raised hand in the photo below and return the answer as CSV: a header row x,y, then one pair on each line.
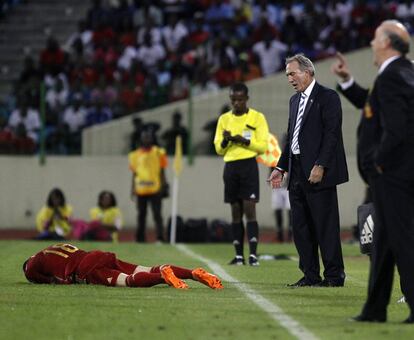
x,y
57,214
340,67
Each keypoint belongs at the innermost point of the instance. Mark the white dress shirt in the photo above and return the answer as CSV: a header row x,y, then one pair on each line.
x,y
307,94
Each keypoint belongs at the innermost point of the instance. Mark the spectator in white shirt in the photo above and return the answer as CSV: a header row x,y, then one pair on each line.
x,y
203,82
150,53
57,96
85,36
270,52
405,10
75,116
144,10
262,7
127,57
151,29
30,119
340,9
173,33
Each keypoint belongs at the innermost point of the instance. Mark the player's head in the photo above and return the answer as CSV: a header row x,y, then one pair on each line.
x,y
239,95
25,265
106,199
56,198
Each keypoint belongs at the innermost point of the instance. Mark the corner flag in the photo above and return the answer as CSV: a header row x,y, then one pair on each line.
x,y
271,156
178,157
178,167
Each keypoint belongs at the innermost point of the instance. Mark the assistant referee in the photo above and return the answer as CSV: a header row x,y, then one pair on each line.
x,y
241,135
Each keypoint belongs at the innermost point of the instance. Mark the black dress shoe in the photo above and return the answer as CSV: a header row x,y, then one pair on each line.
x,y
330,283
363,318
410,319
303,282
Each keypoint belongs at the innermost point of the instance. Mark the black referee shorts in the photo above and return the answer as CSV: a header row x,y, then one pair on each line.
x,y
241,180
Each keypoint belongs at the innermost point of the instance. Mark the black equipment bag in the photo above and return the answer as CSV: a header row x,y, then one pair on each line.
x,y
220,231
366,213
180,232
196,230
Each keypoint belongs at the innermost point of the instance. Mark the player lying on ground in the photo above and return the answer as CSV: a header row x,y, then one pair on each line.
x,y
67,264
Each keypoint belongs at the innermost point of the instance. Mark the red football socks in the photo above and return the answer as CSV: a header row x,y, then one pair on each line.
x,y
144,279
180,272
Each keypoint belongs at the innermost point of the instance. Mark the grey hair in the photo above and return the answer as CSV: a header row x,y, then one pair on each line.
x,y
305,64
397,42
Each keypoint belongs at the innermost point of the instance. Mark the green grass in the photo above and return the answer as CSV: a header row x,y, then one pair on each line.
x,y
29,311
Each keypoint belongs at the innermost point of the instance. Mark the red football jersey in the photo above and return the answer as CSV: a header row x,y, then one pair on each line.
x,y
55,264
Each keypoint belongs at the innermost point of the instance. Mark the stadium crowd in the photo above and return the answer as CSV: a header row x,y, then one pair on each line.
x,y
127,56
6,6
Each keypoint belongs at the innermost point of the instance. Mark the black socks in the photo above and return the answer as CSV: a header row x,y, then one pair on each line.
x,y
253,236
238,237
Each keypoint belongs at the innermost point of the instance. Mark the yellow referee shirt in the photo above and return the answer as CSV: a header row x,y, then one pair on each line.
x,y
252,126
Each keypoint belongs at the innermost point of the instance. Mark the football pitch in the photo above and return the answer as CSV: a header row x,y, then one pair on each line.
x,y
255,303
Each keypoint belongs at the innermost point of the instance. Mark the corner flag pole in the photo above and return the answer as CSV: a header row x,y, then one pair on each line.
x,y
178,167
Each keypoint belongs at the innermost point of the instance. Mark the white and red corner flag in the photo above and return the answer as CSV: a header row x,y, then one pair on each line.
x,y
178,167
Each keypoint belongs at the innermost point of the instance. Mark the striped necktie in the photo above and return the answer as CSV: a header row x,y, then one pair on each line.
x,y
301,110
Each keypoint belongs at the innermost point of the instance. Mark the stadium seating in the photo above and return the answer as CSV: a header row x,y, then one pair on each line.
x,y
133,55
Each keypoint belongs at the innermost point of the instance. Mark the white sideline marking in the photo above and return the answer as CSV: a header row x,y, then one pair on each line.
x,y
273,310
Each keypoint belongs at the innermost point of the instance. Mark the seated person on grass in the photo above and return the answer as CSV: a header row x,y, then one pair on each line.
x,y
53,219
67,264
105,220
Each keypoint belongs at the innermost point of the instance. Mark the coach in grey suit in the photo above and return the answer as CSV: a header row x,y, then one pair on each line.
x,y
314,156
386,148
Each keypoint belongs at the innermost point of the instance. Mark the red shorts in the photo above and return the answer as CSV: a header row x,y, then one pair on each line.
x,y
102,268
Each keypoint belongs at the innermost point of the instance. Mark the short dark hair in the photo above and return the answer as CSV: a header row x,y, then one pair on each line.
x,y
111,195
56,192
24,265
398,43
239,87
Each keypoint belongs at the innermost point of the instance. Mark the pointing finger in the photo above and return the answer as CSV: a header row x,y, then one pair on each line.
x,y
340,57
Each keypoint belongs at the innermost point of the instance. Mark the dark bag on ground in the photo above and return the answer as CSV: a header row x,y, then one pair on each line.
x,y
220,231
196,230
366,219
180,229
